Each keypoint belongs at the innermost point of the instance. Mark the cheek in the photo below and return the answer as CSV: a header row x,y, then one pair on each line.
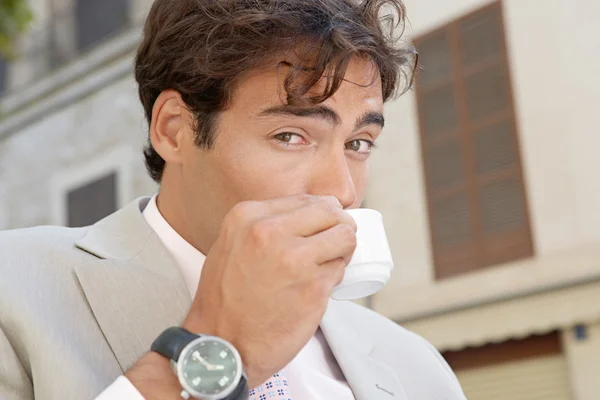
x,y
361,173
259,175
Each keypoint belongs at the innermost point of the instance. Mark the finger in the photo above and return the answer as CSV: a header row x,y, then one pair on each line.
x,y
328,276
255,210
284,205
314,218
333,271
336,242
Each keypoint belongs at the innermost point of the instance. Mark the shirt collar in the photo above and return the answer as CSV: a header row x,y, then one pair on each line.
x,y
188,259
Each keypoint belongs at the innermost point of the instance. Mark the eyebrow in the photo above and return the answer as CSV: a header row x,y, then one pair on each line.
x,y
321,112
370,118
325,113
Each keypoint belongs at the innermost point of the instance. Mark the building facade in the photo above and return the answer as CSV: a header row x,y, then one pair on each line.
x,y
486,178
72,128
485,174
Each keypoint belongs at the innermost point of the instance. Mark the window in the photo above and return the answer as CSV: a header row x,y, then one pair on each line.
x,y
99,19
3,68
476,197
92,186
92,202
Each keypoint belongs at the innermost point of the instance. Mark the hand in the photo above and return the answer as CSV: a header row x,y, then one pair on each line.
x,y
266,281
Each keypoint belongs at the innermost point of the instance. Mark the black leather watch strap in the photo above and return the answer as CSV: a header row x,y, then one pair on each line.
x,y
172,341
242,392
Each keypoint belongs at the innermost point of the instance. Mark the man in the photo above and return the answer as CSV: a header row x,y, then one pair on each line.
x,y
262,115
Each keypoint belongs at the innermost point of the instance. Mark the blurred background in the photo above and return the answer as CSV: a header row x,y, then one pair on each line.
x,y
486,174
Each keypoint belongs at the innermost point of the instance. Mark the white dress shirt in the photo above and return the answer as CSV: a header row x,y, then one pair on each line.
x,y
313,375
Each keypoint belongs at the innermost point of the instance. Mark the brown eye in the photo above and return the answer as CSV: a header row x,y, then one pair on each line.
x,y
284,137
353,145
361,146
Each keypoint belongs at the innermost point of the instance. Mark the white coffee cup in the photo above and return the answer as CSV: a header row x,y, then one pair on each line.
x,y
371,265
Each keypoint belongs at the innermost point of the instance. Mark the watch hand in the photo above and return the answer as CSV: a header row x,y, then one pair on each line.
x,y
202,361
219,367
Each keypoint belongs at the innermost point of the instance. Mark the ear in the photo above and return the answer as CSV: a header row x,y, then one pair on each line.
x,y
168,126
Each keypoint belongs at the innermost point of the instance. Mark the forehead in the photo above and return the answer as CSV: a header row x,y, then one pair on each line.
x,y
360,90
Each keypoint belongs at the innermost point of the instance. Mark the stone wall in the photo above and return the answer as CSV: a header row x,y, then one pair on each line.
x,y
38,163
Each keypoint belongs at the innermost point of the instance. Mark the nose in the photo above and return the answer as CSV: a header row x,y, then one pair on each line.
x,y
331,177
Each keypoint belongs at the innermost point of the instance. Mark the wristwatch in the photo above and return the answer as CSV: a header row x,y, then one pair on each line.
x,y
208,367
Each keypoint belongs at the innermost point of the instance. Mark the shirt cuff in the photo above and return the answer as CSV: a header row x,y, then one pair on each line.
x,y
121,389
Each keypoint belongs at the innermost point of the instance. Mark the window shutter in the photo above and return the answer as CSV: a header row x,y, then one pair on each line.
x,y
481,36
444,155
476,197
500,195
99,19
3,68
92,202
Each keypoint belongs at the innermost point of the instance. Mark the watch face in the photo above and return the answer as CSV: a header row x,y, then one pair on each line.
x,y
209,367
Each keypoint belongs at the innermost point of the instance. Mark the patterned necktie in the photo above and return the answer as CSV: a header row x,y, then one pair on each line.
x,y
274,388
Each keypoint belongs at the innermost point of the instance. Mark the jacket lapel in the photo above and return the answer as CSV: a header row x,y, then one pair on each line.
x,y
369,379
133,286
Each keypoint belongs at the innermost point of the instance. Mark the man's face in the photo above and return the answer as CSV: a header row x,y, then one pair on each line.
x,y
265,149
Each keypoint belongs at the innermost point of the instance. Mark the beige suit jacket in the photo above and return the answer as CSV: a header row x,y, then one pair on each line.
x,y
80,306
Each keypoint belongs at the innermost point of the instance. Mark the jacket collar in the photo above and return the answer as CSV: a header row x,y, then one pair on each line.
x,y
133,287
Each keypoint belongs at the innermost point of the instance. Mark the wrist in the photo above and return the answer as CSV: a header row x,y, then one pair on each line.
x,y
153,376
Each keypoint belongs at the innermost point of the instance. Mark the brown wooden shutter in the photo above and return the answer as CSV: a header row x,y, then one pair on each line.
x,y
476,196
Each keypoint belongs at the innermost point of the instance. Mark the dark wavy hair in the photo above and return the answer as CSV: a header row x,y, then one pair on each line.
x,y
202,48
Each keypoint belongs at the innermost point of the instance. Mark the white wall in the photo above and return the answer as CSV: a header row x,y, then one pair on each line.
x,y
582,74
555,135
583,360
554,51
